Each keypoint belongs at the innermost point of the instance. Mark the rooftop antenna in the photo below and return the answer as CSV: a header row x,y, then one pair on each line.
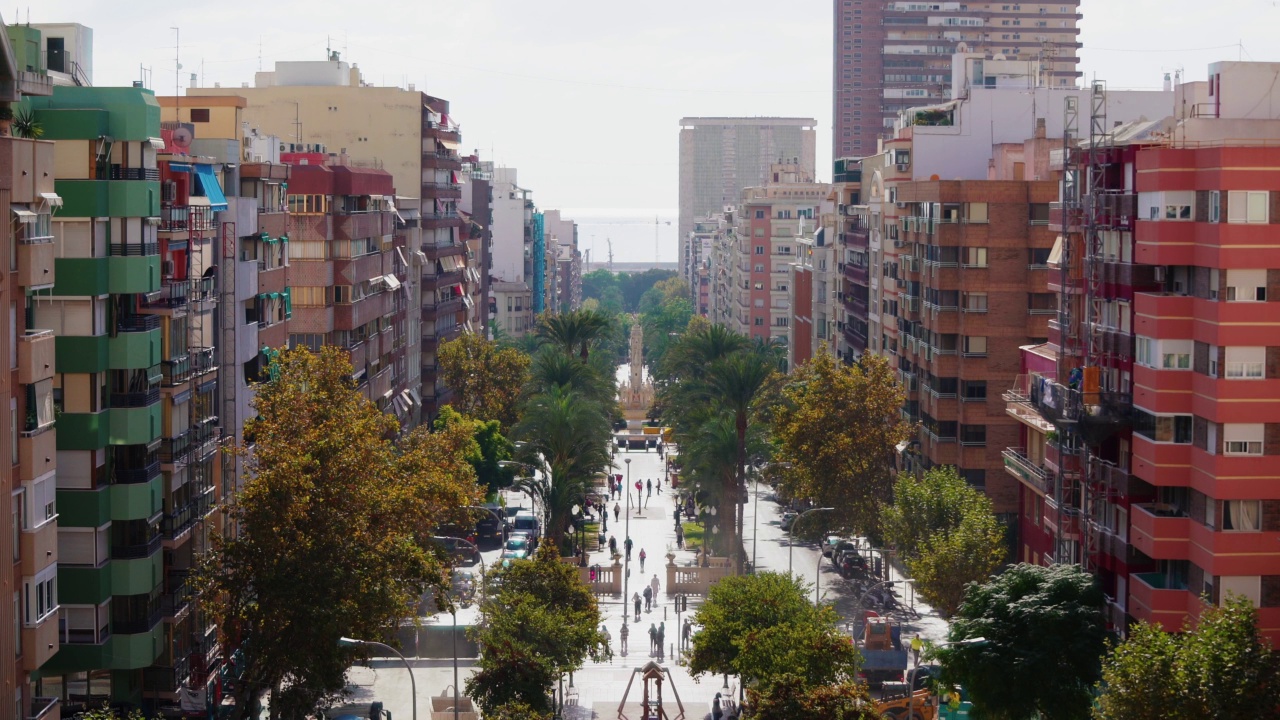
x,y
177,75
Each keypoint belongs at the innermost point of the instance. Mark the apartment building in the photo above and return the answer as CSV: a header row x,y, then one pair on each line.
x,y
1149,419
322,110
721,156
758,255
812,296
28,202
890,55
518,286
563,261
854,254
695,256
476,205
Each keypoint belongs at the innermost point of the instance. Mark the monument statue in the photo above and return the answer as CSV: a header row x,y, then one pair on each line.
x,y
637,391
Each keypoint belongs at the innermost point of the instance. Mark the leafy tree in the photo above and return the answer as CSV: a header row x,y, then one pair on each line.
x,y
554,369
1220,667
516,710
604,287
486,379
331,527
837,427
946,532
789,697
1045,636
490,448
635,285
760,626
573,332
665,309
542,623
571,434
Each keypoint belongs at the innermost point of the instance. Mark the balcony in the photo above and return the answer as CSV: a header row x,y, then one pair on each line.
x,y
1163,315
1113,478
1068,525
175,527
435,282
1162,532
36,263
1020,466
1157,599
1066,464
39,547
128,173
138,622
139,399
176,371
441,190
441,160
137,551
1162,464
439,219
36,350
37,453
39,643
176,599
443,307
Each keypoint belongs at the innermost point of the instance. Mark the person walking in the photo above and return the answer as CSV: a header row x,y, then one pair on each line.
x,y
716,712
648,598
613,546
648,486
687,633
617,510
622,638
659,486
637,601
916,646
680,536
608,639
642,557
662,638
627,546
655,586
653,638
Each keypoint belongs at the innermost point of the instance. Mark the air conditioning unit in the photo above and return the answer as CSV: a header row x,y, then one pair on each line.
x,y
901,205
166,267
258,158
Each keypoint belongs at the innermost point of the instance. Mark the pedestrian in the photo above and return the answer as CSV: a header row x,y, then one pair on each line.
x,y
604,520
680,536
600,538
608,639
593,574
687,632
716,712
642,557
627,546
656,587
613,546
637,601
622,637
617,510
653,638
648,598
916,646
662,638
649,486
659,486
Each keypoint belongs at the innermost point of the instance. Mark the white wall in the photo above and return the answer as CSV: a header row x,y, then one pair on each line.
x,y
508,227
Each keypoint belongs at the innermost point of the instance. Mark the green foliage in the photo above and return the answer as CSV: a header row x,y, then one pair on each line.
x,y
1045,638
1219,668
838,427
790,697
573,332
331,527
106,712
517,711
25,124
762,626
542,623
486,378
946,532
665,309
488,449
635,285
605,288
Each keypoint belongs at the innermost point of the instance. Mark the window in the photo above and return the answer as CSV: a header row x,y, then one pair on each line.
x,y
973,434
759,214
1163,428
1247,285
1177,212
759,232
42,505
199,115
1144,351
973,389
1246,363
1247,207
975,302
1242,438
1242,515
1176,360
1215,206
975,346
40,596
1039,213
759,249
975,257
759,321
976,212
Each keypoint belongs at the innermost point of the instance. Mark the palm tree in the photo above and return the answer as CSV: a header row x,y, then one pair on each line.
x,y
573,331
568,433
709,463
553,369
736,382
684,396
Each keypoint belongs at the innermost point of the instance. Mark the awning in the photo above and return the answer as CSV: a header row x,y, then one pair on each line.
x,y
416,397
1055,255
179,167
210,188
448,144
24,215
154,221
400,255
156,143
52,199
393,283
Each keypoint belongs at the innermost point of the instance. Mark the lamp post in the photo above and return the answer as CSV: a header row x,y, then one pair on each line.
x,y
413,686
707,515
792,532
454,612
626,537
582,530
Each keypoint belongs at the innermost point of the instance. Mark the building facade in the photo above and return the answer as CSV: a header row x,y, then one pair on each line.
x,y
889,55
720,156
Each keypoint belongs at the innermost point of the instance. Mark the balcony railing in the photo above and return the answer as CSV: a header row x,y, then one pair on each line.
x,y
42,707
1017,462
137,323
134,474
176,449
174,218
138,622
176,371
177,592
203,360
141,398
128,173
134,249
172,294
134,552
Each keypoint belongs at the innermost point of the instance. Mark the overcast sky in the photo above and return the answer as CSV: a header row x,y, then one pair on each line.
x,y
584,96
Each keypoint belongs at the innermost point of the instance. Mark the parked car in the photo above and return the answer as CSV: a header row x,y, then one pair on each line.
x,y
788,518
518,547
829,544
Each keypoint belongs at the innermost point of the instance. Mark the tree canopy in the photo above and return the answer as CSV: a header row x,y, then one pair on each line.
x,y
485,377
489,448
1045,636
946,533
790,697
838,427
1218,667
541,623
763,626
332,527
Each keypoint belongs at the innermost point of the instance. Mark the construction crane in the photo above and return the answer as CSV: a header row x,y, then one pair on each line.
x,y
657,257
610,253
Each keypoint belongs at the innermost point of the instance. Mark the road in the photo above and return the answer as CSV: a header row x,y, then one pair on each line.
x,y
599,686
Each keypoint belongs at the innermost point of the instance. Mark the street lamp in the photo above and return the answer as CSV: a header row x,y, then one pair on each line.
x,y
707,514
453,610
413,687
755,512
792,532
582,528
626,534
